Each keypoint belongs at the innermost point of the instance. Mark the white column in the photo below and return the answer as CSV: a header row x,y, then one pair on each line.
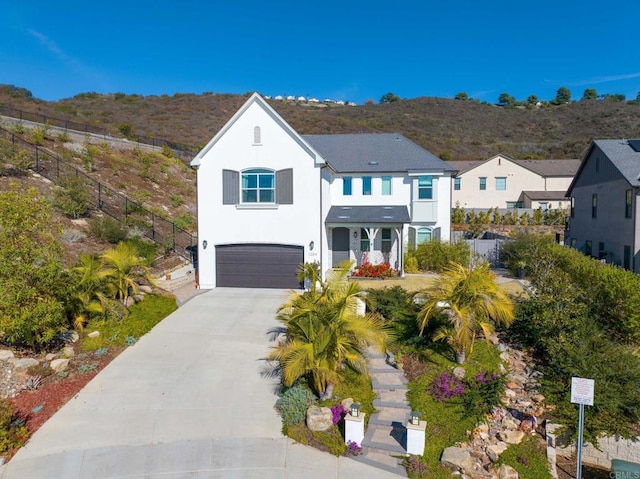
x,y
354,428
416,438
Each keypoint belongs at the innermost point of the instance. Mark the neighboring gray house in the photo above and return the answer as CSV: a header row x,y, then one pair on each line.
x,y
603,222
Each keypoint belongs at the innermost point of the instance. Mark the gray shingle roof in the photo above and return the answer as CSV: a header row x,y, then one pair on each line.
x,y
624,157
375,153
544,168
368,214
551,167
546,195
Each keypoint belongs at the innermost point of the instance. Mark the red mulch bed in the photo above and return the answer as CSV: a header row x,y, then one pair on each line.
x,y
56,390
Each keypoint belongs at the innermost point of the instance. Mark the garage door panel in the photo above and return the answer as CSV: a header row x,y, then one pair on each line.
x,y
258,265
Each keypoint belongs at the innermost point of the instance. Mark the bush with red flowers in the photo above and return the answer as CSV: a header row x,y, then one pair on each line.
x,y
368,270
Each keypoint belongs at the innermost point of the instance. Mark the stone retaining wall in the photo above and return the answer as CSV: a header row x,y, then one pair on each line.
x,y
609,448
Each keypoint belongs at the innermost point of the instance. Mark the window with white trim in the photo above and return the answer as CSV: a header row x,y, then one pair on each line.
x,y
366,185
386,185
258,186
346,186
425,188
501,183
386,240
424,235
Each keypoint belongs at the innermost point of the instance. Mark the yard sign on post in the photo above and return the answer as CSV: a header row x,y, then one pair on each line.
x,y
581,393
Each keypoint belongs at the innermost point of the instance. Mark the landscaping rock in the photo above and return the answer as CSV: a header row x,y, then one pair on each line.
x,y
346,403
93,334
537,398
143,288
507,472
511,437
68,352
50,357
456,458
495,450
21,365
130,301
59,364
6,354
319,418
459,372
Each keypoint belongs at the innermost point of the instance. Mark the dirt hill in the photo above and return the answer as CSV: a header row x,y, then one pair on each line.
x,y
452,129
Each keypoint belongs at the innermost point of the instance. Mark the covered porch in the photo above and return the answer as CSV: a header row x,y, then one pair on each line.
x,y
367,234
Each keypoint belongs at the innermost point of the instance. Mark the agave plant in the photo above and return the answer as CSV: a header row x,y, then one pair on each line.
x,y
32,383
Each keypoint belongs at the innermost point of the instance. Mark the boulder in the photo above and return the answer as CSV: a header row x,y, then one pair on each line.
x,y
143,288
538,398
68,352
94,334
456,458
50,357
511,437
459,372
507,472
346,403
495,450
5,354
130,301
23,364
319,418
59,364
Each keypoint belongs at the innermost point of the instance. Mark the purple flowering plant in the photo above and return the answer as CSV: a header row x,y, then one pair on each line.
x,y
446,386
338,412
353,449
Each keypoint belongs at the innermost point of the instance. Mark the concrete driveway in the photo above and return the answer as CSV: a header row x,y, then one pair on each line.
x,y
186,401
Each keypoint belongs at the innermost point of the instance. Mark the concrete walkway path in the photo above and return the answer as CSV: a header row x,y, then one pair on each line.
x,y
186,401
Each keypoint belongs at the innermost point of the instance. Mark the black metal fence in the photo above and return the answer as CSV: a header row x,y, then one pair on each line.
x,y
110,202
181,150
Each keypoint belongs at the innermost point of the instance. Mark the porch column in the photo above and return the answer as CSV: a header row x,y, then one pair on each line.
x,y
371,234
399,238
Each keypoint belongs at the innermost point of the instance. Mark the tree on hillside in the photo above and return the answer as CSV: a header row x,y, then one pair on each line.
x,y
31,274
461,96
472,302
563,95
532,100
323,332
506,99
122,266
389,98
590,94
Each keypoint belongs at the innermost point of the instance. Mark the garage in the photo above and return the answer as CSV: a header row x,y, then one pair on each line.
x,y
258,265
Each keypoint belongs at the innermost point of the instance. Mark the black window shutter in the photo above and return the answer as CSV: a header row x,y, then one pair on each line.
x,y
284,187
230,187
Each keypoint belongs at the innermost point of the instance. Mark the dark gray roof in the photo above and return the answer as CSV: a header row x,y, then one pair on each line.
x,y
546,195
375,153
551,167
465,165
624,157
368,214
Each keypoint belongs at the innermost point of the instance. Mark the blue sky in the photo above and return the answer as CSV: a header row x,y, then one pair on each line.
x,y
348,50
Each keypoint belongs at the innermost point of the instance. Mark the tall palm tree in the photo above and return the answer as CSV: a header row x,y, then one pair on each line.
x,y
472,302
122,265
323,333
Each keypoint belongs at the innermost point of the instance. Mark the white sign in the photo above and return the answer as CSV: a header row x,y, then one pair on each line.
x,y
582,391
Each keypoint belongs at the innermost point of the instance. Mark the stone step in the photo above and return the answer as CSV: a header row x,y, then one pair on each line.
x,y
379,404
388,381
381,460
395,395
386,438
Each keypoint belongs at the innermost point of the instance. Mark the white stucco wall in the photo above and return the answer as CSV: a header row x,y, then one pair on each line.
x,y
297,224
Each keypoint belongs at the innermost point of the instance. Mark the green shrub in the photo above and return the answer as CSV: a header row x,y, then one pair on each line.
x,y
293,405
529,458
72,198
436,255
13,432
107,229
146,249
39,134
63,137
177,201
482,392
184,221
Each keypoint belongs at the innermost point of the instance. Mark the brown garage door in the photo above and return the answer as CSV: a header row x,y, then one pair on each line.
x,y
258,265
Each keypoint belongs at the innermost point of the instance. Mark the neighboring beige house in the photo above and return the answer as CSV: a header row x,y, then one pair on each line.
x,y
507,183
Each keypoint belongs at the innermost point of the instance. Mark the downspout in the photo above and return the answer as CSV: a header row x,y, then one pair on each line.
x,y
321,227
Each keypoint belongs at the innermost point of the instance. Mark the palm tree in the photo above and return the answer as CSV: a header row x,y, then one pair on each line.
x,y
122,265
472,302
323,333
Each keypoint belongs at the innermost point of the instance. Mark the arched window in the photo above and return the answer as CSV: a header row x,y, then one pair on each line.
x,y
424,235
258,186
256,135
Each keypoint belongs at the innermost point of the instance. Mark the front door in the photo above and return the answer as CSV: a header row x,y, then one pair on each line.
x,y
340,245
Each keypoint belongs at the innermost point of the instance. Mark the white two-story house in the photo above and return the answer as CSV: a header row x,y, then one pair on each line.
x,y
270,199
